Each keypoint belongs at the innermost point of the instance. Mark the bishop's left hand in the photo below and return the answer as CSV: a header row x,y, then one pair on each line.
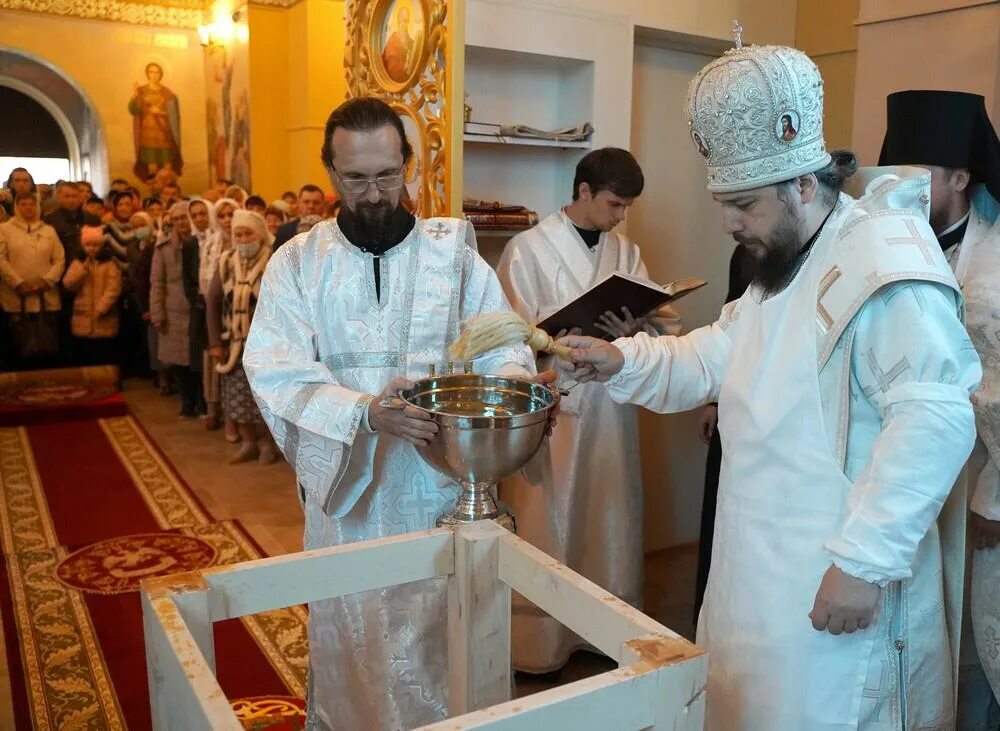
x,y
844,603
983,532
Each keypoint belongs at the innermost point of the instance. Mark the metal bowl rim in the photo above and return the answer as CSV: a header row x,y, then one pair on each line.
x,y
456,420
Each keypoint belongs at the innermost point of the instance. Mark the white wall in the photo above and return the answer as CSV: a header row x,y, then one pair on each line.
x,y
764,21
677,225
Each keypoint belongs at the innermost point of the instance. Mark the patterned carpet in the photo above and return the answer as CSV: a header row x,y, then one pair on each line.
x,y
63,394
88,509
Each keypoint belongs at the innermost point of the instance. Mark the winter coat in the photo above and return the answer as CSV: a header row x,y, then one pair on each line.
x,y
97,285
169,308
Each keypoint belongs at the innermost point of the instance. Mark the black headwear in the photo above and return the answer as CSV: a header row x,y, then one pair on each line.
x,y
950,129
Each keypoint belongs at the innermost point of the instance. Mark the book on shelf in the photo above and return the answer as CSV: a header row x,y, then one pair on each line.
x,y
495,214
577,133
615,291
527,219
482,128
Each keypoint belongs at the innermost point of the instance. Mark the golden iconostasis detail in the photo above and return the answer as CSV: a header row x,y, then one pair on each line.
x,y
403,52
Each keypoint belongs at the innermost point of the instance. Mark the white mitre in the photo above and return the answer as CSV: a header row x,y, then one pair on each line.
x,y
756,116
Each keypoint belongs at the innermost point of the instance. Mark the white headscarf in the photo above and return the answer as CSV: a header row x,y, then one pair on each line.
x,y
255,221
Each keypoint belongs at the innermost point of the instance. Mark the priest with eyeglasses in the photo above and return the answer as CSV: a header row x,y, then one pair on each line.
x,y
350,313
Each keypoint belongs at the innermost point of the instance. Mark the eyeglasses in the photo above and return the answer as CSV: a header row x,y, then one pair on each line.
x,y
360,185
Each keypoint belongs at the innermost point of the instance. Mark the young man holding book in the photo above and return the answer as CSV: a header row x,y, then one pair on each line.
x,y
580,499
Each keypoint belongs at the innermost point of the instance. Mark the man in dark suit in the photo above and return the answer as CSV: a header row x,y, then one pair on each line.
x,y
312,201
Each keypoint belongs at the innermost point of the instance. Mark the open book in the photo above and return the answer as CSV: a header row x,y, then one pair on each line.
x,y
615,291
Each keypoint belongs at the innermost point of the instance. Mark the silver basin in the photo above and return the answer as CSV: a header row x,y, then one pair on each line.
x,y
488,427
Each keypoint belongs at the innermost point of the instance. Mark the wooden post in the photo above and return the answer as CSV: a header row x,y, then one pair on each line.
x,y
190,594
680,670
479,669
183,690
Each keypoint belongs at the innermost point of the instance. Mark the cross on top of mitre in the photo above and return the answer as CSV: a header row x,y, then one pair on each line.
x,y
737,34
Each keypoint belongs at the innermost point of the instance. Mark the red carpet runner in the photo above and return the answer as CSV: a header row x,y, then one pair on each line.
x,y
88,509
62,394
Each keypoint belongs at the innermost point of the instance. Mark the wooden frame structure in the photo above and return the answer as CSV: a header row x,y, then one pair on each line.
x,y
659,683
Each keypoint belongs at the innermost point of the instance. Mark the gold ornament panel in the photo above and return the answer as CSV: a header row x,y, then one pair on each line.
x,y
398,50
187,14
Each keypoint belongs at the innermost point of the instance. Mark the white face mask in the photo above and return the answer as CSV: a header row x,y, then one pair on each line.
x,y
248,251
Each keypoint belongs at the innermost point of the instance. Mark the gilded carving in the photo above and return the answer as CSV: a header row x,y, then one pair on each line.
x,y
187,14
396,50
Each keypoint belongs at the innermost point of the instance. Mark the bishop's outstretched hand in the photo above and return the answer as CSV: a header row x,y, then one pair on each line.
x,y
592,359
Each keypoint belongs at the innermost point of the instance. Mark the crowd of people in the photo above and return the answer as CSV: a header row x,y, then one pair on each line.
x,y
163,286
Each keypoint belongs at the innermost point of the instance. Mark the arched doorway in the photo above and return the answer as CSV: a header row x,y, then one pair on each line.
x,y
71,112
32,137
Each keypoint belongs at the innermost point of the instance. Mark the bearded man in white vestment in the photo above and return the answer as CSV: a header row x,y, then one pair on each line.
x,y
580,499
950,134
347,313
843,377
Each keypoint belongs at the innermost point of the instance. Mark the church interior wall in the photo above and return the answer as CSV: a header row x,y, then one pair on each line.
x,y
270,99
826,32
893,55
105,60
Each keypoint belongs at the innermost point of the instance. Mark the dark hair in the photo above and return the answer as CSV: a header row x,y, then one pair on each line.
x,y
89,219
362,114
843,164
310,188
150,65
95,199
25,194
134,192
66,184
288,193
609,168
275,211
10,178
150,202
254,200
119,195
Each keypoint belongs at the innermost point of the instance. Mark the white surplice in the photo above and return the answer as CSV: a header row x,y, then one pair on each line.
x,y
321,346
845,420
580,499
976,261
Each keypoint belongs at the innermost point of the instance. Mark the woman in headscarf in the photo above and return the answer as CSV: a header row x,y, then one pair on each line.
x,y
170,308
217,242
231,303
202,220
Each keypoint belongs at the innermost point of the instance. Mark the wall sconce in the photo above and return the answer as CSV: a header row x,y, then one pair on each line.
x,y
224,29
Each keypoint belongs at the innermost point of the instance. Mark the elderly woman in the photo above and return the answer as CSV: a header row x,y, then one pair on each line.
x,y
170,308
231,302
